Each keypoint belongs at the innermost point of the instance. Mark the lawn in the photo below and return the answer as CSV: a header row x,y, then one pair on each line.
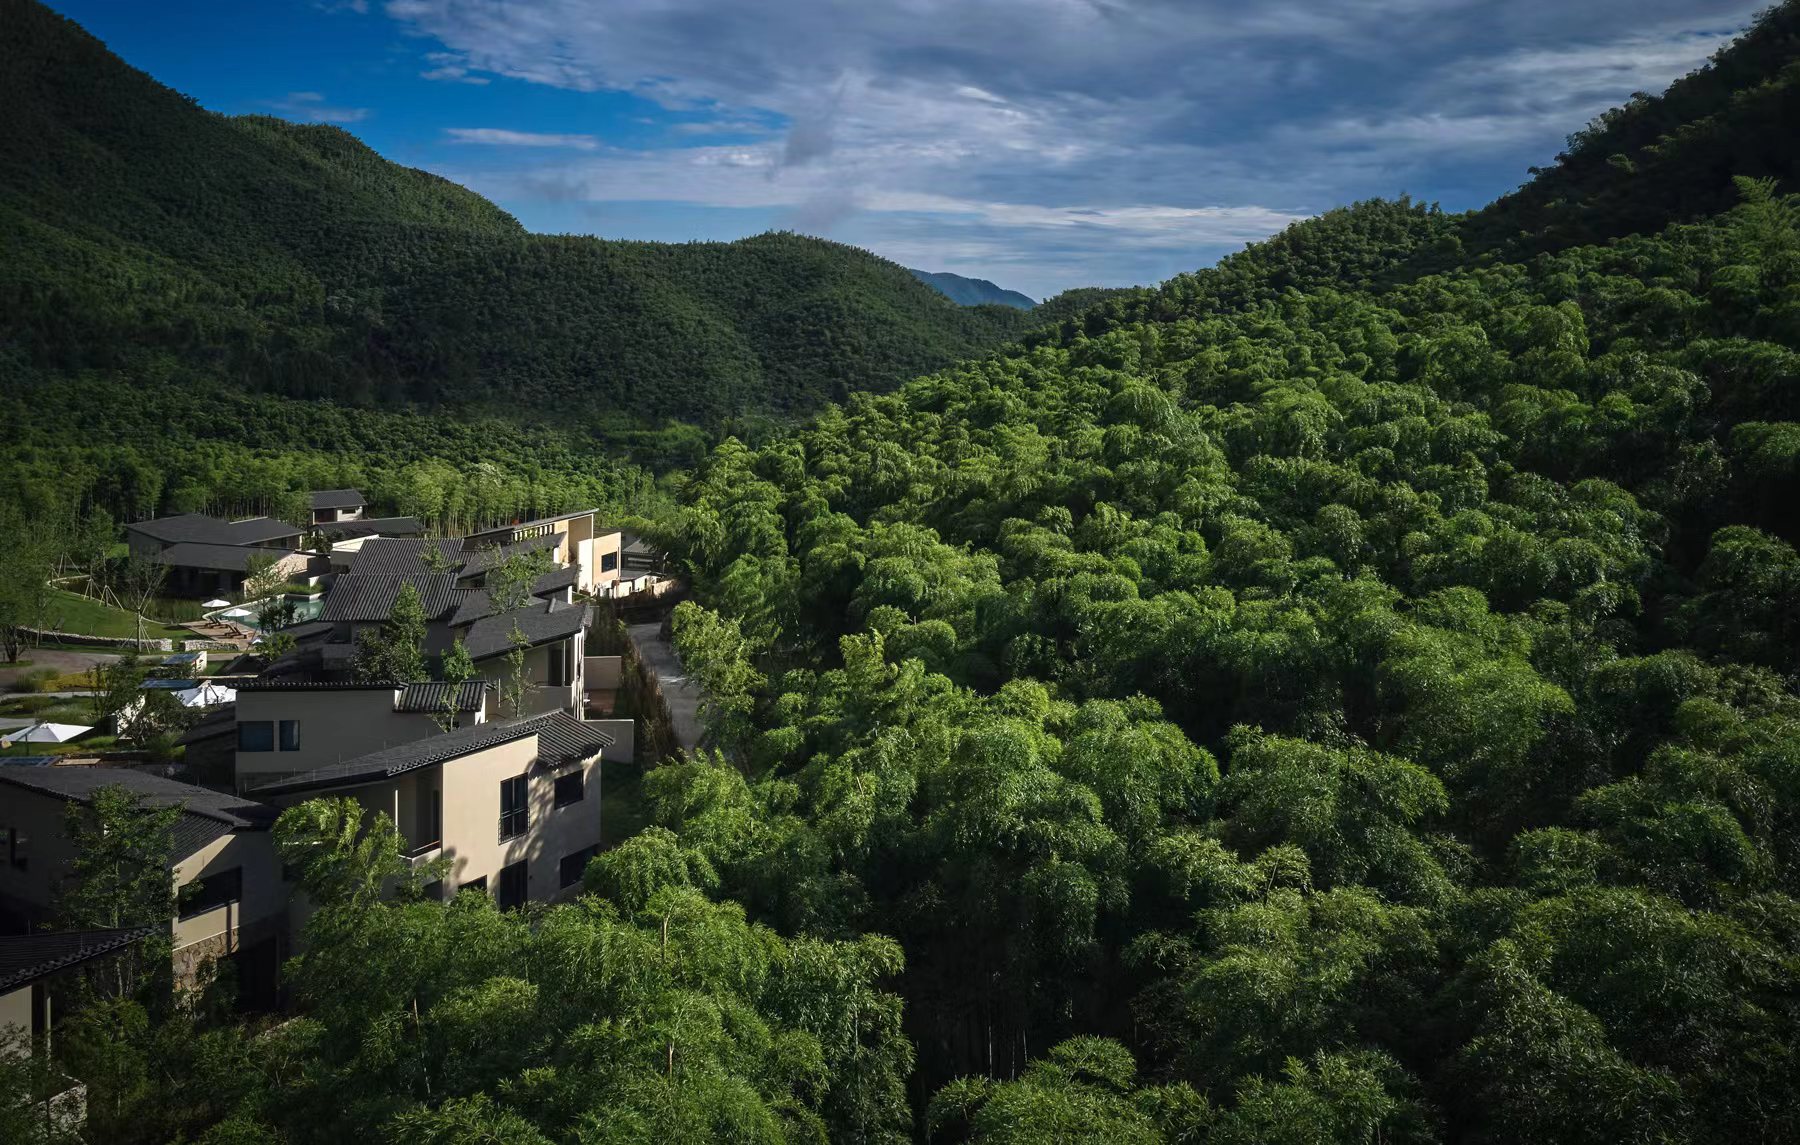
x,y
48,709
70,612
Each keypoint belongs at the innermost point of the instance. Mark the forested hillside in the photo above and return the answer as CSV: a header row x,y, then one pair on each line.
x,y
1347,694
147,235
1344,695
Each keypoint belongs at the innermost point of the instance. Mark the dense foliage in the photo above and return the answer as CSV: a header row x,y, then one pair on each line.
x,y
1343,695
148,236
1362,699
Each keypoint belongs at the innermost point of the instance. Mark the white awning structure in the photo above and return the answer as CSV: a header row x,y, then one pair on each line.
x,y
206,696
45,733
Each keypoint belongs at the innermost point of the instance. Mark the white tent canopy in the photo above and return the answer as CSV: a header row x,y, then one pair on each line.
x,y
206,696
46,733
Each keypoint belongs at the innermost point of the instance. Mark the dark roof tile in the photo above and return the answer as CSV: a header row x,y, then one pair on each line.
x,y
24,958
337,499
561,739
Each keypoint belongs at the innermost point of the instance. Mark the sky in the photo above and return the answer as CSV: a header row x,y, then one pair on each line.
x,y
1042,144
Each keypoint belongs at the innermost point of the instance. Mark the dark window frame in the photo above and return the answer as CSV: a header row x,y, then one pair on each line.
x,y
609,561
515,806
267,728
221,888
515,886
563,782
581,859
282,740
479,884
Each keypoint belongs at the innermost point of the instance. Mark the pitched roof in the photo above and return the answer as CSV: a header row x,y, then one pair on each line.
x,y
370,527
479,559
201,529
500,532
370,596
540,622
405,555
561,739
206,814
231,558
476,603
221,721
24,958
337,499
429,697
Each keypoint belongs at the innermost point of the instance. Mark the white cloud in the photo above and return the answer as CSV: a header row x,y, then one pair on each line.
x,y
311,106
1171,126
500,137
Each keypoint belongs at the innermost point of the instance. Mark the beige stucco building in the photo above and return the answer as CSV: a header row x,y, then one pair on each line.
x,y
513,805
223,864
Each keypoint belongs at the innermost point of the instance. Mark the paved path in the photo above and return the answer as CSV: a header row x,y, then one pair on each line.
x,y
681,694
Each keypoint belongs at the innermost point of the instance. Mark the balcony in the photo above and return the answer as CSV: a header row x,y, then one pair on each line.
x,y
420,852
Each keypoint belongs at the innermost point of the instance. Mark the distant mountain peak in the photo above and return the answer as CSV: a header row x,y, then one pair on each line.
x,y
972,291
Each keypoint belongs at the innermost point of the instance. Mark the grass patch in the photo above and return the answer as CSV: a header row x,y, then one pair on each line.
x,y
48,709
70,612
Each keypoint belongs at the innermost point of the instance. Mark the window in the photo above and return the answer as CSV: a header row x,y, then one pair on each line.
x,y
290,735
12,845
512,886
558,656
609,561
572,867
256,735
514,815
212,891
474,885
569,789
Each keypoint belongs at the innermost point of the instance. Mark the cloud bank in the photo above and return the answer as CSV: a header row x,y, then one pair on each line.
x,y
1050,143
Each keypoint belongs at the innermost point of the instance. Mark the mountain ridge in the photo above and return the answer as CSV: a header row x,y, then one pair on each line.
x,y
148,234
972,291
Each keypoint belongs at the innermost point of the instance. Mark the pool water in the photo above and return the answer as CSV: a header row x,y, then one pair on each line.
x,y
304,610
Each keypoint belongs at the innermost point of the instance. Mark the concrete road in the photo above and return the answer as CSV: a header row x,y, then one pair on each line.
x,y
681,694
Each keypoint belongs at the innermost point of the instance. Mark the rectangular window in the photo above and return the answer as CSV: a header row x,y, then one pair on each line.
x,y
290,735
572,867
515,816
513,885
558,656
569,789
256,735
474,885
12,844
609,561
212,891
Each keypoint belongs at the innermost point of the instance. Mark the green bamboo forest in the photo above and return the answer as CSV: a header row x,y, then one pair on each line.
x,y
1345,694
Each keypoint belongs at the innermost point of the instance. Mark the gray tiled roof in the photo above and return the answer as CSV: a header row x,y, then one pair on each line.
x,y
231,558
479,559
337,499
24,958
207,814
476,603
404,555
561,739
371,527
429,697
201,529
542,622
370,596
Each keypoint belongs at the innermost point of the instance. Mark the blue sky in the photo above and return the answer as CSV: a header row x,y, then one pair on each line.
x,y
1042,144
